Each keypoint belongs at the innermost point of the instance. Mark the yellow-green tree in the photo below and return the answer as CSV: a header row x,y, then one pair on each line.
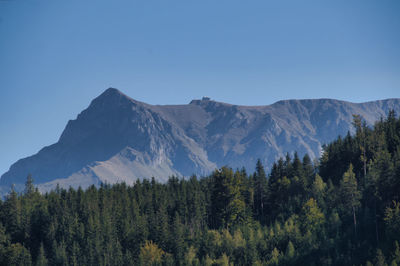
x,y
392,221
151,254
350,195
312,217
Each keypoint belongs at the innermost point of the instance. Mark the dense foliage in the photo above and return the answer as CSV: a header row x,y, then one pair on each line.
x,y
343,210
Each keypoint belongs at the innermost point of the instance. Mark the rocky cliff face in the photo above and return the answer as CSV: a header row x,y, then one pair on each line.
x,y
119,139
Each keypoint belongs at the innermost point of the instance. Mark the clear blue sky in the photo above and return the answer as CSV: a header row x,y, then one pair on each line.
x,y
56,56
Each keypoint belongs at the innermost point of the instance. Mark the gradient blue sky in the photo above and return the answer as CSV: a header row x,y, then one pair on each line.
x,y
56,56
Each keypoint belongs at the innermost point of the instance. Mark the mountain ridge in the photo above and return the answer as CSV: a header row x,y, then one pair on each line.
x,y
117,138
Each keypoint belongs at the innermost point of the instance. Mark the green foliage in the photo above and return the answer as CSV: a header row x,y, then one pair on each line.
x,y
380,258
350,195
150,254
274,257
16,254
290,251
41,260
349,192
260,190
392,221
228,206
29,187
312,217
191,257
396,254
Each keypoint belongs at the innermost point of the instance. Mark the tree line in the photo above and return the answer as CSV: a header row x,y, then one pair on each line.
x,y
341,210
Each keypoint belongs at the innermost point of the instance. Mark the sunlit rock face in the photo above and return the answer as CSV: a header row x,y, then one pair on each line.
x,y
118,139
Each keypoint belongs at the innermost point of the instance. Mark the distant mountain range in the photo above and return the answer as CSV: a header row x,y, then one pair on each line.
x,y
119,139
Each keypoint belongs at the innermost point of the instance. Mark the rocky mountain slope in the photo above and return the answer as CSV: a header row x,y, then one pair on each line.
x,y
119,139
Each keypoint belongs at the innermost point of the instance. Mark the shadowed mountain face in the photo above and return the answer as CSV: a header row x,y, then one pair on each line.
x,y
119,139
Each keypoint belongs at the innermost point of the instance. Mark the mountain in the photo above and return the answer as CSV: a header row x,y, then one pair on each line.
x,y
120,139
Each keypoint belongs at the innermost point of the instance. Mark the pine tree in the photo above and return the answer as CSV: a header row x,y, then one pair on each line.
x,y
150,254
392,221
290,251
380,258
16,254
360,126
312,217
41,259
191,257
274,257
396,254
12,212
178,241
318,188
29,187
350,194
228,206
260,191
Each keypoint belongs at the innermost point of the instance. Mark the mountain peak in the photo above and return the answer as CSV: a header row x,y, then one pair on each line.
x,y
113,96
110,92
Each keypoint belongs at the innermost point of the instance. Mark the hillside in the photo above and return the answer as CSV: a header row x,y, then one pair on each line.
x,y
120,139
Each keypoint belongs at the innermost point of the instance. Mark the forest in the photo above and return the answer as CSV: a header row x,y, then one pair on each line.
x,y
343,209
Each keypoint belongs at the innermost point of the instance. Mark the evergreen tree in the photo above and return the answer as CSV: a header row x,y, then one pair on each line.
x,y
350,194
41,260
290,251
392,221
260,191
151,254
312,217
380,258
396,254
29,187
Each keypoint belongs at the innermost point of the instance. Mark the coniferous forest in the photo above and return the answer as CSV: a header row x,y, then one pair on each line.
x,y
341,210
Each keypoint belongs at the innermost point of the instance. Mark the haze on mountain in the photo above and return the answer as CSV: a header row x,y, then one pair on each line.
x,y
118,139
